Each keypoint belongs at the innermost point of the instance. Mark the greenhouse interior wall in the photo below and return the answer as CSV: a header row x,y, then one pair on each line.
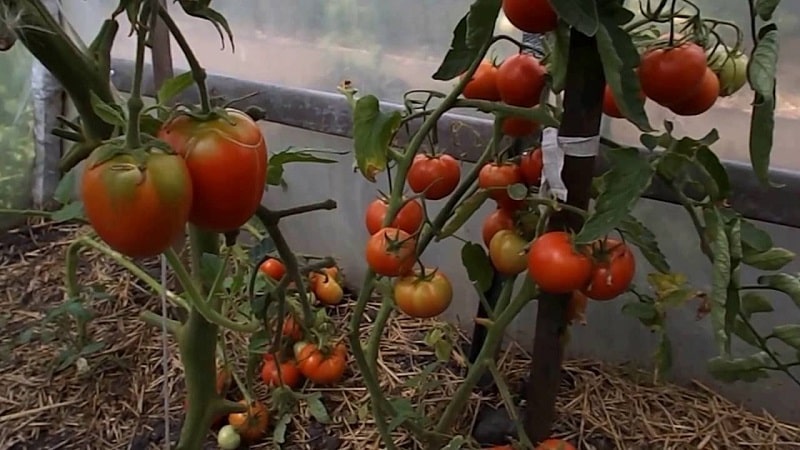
x,y
386,48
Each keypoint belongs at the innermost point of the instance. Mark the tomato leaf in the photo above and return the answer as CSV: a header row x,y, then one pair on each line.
x,y
743,332
582,15
721,278
620,57
69,212
765,8
636,233
65,191
773,259
628,179
783,282
456,443
558,57
750,368
279,432
278,160
150,125
462,213
201,10
752,303
111,114
721,187
753,238
761,70
478,265
210,266
317,408
174,86
763,62
789,334
645,312
404,409
372,134
472,30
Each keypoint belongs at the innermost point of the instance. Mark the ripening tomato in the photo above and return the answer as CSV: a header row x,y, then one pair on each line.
x,y
228,438
613,270
730,67
518,127
273,268
531,165
138,207
576,309
423,296
227,160
520,80
292,329
437,176
391,252
531,16
507,252
555,444
251,424
483,85
283,374
409,218
555,265
328,291
672,75
702,100
500,219
321,367
496,177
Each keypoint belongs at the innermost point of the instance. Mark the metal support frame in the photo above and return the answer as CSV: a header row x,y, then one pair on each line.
x,y
460,135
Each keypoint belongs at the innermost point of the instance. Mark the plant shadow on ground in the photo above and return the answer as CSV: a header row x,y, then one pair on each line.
x,y
115,401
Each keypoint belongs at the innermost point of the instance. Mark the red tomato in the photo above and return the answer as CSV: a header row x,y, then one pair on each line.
x,y
137,207
702,100
328,291
610,107
483,85
423,297
408,219
507,252
556,266
283,374
391,252
436,176
613,270
273,268
251,424
292,329
321,367
497,177
228,164
500,219
532,16
518,127
520,80
555,444
670,76
531,165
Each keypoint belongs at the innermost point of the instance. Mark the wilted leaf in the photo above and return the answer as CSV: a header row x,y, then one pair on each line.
x,y
372,134
479,267
636,233
788,284
773,259
789,334
748,369
474,28
721,278
752,303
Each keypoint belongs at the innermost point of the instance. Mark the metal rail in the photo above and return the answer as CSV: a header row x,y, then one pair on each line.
x,y
460,135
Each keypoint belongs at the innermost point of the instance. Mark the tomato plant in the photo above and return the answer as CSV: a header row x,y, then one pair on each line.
x,y
284,373
532,16
531,165
328,291
499,219
703,98
227,161
507,252
521,79
391,252
435,176
409,218
273,268
251,424
228,438
613,271
482,85
671,75
556,266
137,205
423,295
731,68
496,178
322,366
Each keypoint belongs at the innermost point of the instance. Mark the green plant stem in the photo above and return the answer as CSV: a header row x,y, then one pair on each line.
x,y
198,73
26,212
159,321
505,395
374,342
200,243
328,205
135,102
538,114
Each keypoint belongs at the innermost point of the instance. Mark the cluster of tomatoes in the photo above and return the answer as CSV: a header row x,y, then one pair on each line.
x,y
326,285
139,201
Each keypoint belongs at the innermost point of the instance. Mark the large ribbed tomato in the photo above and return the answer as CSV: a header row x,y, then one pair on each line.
x,y
531,16
137,205
227,159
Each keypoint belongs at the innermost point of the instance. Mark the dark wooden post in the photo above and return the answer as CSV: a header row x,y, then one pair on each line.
x,y
582,110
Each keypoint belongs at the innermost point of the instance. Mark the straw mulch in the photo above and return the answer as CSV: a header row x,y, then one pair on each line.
x,y
114,399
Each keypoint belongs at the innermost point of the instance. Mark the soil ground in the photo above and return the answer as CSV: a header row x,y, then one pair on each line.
x,y
114,397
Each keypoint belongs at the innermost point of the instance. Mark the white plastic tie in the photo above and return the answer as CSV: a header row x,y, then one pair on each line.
x,y
554,148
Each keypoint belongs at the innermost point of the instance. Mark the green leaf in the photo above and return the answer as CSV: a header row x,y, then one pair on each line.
x,y
764,62
279,432
317,408
278,160
628,179
457,443
480,21
773,259
558,57
636,233
92,347
640,310
754,238
210,266
762,129
404,409
752,303
472,31
750,368
721,189
174,87
620,57
65,191
463,213
789,334
201,10
721,278
69,212
150,125
788,284
372,134
479,267
765,8
109,113
443,349
743,332
580,14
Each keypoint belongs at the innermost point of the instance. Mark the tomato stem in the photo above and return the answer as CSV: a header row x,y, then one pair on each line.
x,y
538,114
135,104
505,395
374,342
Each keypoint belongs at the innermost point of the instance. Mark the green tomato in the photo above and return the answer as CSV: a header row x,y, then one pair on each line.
x,y
228,438
730,67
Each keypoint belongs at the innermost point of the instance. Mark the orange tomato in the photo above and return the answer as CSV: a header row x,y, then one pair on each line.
x,y
251,424
321,367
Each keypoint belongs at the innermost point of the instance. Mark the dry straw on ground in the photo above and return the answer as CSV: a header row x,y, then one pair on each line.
x,y
117,403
